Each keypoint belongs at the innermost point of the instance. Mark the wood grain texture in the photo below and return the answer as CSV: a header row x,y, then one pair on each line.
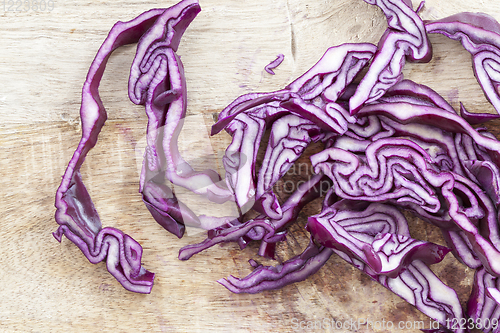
x,y
44,57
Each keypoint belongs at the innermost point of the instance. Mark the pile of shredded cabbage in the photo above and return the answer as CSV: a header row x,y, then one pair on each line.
x,y
389,145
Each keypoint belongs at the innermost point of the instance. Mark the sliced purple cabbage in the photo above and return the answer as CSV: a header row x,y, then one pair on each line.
x,y
329,77
406,146
75,213
363,222
332,74
386,253
262,228
405,38
400,170
248,116
289,137
273,277
482,307
157,81
419,286
479,33
494,293
275,63
169,212
414,93
415,284
398,251
461,248
411,113
239,160
389,144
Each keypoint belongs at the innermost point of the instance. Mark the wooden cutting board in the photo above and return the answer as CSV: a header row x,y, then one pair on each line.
x,y
45,54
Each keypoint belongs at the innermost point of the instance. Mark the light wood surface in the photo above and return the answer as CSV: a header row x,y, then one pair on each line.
x,y
46,286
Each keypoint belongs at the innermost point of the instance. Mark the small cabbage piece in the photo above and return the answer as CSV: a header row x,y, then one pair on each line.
x,y
331,75
461,248
385,253
76,214
479,33
240,157
274,277
289,137
419,286
405,38
275,63
414,93
483,307
157,81
494,293
169,212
